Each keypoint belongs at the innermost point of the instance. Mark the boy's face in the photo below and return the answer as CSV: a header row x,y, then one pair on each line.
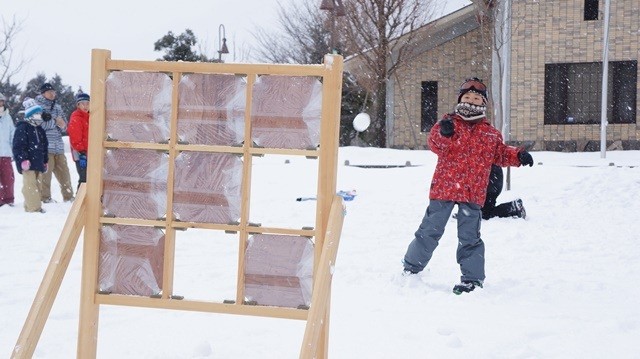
x,y
84,106
49,95
472,98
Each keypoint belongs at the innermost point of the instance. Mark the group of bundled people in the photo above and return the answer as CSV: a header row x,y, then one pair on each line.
x,y
35,145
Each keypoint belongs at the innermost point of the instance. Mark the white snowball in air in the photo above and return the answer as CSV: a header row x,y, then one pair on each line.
x,y
361,122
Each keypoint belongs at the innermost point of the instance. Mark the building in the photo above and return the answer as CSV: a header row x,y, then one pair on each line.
x,y
555,50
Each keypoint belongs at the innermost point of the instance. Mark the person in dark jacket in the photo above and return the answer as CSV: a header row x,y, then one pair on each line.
x,y
31,155
467,145
513,209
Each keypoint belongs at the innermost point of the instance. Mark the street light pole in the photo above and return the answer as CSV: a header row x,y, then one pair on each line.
x,y
605,82
337,9
222,42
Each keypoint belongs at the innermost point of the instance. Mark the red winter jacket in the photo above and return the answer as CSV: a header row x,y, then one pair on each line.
x,y
78,130
465,159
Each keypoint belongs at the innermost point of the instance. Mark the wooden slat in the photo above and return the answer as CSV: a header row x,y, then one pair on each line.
x,y
208,148
212,68
89,310
316,326
199,225
132,221
170,232
327,175
202,306
285,231
284,151
136,145
246,189
53,276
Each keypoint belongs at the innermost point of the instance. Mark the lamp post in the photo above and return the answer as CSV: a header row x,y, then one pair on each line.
x,y
222,42
337,9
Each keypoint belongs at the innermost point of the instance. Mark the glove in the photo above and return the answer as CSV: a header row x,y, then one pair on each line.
x,y
46,116
26,164
525,158
446,127
82,160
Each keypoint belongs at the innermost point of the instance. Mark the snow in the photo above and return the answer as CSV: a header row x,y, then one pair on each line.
x,y
559,284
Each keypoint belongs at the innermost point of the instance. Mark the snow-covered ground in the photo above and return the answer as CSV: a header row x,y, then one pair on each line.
x,y
560,284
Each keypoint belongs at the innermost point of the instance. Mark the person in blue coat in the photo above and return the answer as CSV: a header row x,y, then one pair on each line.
x,y
31,154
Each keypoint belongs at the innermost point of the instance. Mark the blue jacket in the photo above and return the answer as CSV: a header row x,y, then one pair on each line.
x,y
30,143
6,134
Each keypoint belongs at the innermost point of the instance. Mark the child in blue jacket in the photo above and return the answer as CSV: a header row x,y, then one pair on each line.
x,y
30,152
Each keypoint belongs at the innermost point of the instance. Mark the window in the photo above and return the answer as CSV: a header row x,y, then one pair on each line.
x,y
590,10
572,92
429,105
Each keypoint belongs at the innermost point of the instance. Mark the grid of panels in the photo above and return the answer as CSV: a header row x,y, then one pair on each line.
x,y
169,181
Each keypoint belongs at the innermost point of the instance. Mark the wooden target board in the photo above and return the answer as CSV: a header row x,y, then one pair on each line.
x,y
171,148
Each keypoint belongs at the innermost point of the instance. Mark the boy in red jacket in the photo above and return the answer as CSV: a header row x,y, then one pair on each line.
x,y
78,131
467,145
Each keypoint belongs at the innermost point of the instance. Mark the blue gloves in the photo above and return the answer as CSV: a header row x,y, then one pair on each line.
x,y
82,160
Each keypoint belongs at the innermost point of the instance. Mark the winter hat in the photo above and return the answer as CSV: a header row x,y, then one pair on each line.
x,y
474,85
31,107
46,87
2,98
82,97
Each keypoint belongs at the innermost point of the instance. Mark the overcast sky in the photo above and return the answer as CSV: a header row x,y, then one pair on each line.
x,y
58,35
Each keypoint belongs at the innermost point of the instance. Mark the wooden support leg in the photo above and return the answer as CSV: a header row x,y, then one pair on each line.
x,y
48,290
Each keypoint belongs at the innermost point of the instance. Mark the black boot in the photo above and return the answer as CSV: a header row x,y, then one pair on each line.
x,y
519,209
466,286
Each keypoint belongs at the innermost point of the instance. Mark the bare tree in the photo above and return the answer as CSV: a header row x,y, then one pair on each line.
x,y
381,34
495,19
302,37
11,62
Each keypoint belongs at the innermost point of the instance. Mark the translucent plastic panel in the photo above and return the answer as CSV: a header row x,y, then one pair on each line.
x,y
286,112
211,109
207,187
206,265
135,183
131,260
276,182
279,270
138,106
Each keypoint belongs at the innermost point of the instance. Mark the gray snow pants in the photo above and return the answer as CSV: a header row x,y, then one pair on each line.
x,y
470,254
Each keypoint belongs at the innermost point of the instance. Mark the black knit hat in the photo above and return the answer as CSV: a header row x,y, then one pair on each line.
x,y
473,84
82,97
46,87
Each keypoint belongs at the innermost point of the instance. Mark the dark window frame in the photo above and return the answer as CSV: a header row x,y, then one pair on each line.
x,y
428,105
572,93
591,10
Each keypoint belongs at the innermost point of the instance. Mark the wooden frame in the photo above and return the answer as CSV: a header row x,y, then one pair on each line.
x,y
329,208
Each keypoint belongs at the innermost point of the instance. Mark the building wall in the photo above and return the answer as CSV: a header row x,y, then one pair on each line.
x,y
554,31
449,64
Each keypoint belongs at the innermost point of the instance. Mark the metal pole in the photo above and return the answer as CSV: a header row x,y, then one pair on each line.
x,y
506,78
333,29
605,81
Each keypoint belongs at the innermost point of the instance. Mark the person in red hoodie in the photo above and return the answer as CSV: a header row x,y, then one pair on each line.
x,y
467,145
78,130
